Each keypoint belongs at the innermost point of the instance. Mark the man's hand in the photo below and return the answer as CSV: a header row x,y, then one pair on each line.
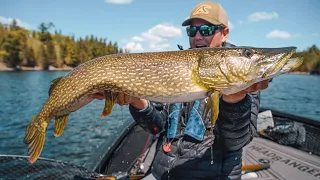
x,y
124,99
233,98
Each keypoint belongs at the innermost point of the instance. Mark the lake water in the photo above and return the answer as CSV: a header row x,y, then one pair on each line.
x,y
295,94
23,94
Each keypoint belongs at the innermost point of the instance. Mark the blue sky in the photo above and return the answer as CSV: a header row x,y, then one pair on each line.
x,y
154,25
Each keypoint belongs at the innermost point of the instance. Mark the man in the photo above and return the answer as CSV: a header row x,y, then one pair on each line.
x,y
182,152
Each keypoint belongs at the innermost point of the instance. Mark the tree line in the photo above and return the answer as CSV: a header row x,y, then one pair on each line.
x,y
311,63
22,47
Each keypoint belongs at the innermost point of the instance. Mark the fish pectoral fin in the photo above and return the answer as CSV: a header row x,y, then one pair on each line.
x,y
109,103
35,137
214,108
60,123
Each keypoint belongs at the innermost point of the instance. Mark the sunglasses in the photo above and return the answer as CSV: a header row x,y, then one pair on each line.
x,y
205,30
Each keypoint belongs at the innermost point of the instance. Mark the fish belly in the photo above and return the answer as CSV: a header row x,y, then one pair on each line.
x,y
188,97
74,105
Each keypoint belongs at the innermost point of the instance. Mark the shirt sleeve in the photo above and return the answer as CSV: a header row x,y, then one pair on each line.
x,y
236,125
152,119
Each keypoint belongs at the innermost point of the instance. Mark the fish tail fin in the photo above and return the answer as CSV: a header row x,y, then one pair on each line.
x,y
30,131
35,137
109,103
60,123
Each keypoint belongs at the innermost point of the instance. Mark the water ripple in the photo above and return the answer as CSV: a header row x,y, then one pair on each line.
x,y
294,94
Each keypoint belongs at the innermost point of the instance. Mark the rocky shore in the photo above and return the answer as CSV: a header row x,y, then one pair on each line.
x,y
36,68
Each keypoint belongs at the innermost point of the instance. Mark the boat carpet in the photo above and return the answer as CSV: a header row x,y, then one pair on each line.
x,y
285,162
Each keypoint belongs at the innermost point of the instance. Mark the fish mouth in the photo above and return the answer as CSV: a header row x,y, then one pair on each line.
x,y
275,60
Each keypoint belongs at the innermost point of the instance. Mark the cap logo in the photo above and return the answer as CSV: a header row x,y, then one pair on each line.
x,y
204,9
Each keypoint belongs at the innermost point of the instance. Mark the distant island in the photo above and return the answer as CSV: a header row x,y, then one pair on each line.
x,y
22,49
311,60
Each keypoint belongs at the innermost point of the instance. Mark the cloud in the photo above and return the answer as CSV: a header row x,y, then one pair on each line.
x,y
137,39
166,31
279,34
133,46
316,34
154,39
9,20
262,16
119,1
158,47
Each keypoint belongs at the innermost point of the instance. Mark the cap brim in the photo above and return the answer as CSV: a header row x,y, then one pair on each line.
x,y
187,22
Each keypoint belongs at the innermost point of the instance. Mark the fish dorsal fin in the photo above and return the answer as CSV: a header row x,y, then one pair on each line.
x,y
54,83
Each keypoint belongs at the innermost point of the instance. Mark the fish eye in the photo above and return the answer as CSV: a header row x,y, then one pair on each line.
x,y
247,53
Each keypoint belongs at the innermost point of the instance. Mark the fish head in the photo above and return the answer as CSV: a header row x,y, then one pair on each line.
x,y
239,67
270,61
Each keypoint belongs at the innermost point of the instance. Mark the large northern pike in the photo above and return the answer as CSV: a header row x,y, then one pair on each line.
x,y
167,77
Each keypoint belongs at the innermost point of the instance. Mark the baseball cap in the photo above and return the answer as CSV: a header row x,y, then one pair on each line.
x,y
208,11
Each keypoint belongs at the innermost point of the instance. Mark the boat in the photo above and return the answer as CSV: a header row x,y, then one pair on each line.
x,y
286,147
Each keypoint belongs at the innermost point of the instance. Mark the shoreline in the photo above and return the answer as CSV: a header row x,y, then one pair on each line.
x,y
3,68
